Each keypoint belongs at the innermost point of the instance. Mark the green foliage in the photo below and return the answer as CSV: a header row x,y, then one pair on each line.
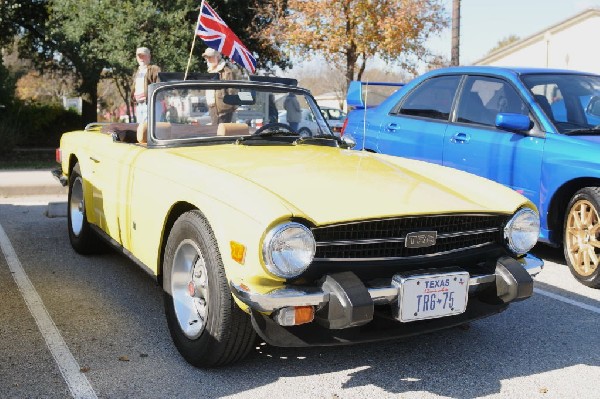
x,y
7,86
35,125
92,36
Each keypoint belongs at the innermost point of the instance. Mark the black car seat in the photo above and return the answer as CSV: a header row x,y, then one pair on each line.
x,y
471,109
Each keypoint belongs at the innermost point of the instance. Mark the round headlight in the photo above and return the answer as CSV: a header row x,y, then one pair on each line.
x,y
288,249
522,231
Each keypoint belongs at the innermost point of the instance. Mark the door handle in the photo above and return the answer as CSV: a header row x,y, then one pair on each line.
x,y
95,160
460,138
391,127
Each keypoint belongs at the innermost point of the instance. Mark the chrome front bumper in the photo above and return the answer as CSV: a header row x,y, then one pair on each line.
x,y
316,296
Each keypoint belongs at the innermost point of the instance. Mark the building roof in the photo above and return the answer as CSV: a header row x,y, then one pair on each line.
x,y
539,36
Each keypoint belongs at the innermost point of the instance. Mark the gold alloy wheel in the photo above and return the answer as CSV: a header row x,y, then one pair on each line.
x,y
582,238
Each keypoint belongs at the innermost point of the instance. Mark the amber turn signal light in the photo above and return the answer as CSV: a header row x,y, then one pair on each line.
x,y
294,315
238,252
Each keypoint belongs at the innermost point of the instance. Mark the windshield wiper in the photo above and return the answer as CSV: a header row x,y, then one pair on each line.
x,y
579,132
277,136
321,139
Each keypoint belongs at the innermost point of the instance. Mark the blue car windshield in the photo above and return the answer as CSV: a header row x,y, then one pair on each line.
x,y
570,101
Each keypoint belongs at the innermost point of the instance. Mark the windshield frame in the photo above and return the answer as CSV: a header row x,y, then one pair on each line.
x,y
155,89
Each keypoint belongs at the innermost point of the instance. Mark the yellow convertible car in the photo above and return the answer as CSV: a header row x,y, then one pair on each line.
x,y
252,227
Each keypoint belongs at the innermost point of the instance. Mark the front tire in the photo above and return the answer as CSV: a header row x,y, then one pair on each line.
x,y
206,325
582,236
83,239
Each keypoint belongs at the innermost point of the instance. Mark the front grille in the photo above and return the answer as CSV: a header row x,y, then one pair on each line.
x,y
385,238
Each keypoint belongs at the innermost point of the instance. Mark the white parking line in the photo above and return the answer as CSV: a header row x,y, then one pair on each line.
x,y
69,368
582,305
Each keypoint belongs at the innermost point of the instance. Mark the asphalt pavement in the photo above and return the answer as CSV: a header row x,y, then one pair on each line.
x,y
105,316
18,183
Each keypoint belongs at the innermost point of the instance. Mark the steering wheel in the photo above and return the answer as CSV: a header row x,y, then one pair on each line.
x,y
276,126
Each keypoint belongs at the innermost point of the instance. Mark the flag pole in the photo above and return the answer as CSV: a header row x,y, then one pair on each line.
x,y
193,42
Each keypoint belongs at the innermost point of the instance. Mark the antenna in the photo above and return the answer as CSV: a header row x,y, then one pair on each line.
x,y
365,115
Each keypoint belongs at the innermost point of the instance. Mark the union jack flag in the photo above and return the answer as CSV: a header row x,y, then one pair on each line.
x,y
217,35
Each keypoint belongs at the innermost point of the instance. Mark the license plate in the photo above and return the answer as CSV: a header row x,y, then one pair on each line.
x,y
429,296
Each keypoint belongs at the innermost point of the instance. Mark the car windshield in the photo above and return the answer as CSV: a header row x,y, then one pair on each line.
x,y
191,112
571,101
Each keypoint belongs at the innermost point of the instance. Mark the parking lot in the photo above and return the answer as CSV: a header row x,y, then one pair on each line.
x,y
74,326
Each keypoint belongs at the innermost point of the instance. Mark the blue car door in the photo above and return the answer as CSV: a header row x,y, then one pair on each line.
x,y
474,144
415,127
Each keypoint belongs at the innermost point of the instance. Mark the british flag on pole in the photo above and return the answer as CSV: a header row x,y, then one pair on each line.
x,y
217,35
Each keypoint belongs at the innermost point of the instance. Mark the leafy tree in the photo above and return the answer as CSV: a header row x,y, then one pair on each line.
x,y
91,37
350,32
7,87
510,39
436,62
48,88
23,18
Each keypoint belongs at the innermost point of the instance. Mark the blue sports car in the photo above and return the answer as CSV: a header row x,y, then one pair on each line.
x,y
534,130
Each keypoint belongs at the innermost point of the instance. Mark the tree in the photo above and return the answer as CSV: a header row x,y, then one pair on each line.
x,y
90,37
348,33
7,87
47,88
510,39
436,62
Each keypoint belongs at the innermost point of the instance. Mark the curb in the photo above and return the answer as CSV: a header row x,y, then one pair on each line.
x,y
23,183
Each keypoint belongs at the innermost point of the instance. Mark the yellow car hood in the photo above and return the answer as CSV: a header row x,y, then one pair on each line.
x,y
330,185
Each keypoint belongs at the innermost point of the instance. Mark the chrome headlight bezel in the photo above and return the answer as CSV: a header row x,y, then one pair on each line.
x,y
288,249
522,231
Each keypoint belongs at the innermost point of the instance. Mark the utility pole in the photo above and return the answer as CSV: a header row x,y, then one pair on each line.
x,y
455,32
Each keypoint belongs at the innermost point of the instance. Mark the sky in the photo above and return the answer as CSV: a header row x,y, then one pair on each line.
x,y
485,22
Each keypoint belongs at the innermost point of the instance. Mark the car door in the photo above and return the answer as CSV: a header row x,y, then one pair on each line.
x,y
474,144
113,172
416,126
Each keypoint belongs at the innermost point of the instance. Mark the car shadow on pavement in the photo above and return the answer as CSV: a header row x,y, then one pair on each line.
x,y
451,363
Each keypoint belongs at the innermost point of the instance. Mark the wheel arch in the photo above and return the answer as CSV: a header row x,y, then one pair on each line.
x,y
560,200
175,212
72,161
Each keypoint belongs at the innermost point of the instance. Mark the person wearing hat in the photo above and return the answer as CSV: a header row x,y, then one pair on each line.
x,y
218,110
143,76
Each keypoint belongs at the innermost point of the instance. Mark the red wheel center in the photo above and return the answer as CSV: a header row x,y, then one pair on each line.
x,y
191,288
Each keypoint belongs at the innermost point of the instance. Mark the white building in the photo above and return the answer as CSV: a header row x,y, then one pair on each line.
x,y
331,99
570,44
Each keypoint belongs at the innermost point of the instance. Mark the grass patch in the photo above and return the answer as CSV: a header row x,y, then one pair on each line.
x,y
28,159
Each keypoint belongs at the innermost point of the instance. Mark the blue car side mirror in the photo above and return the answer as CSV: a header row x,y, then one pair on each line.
x,y
513,122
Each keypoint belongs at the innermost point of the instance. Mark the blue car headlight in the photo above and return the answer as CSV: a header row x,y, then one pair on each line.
x,y
522,231
288,249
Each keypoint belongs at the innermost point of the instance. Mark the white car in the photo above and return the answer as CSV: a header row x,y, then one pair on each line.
x,y
307,125
335,118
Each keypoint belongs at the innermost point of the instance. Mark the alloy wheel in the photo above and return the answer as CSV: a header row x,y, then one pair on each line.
x,y
189,288
582,237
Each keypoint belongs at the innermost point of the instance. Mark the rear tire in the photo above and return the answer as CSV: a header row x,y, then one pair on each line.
x,y
83,239
206,325
582,236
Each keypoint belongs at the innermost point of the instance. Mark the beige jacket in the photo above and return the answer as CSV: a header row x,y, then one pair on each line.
x,y
225,73
151,77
